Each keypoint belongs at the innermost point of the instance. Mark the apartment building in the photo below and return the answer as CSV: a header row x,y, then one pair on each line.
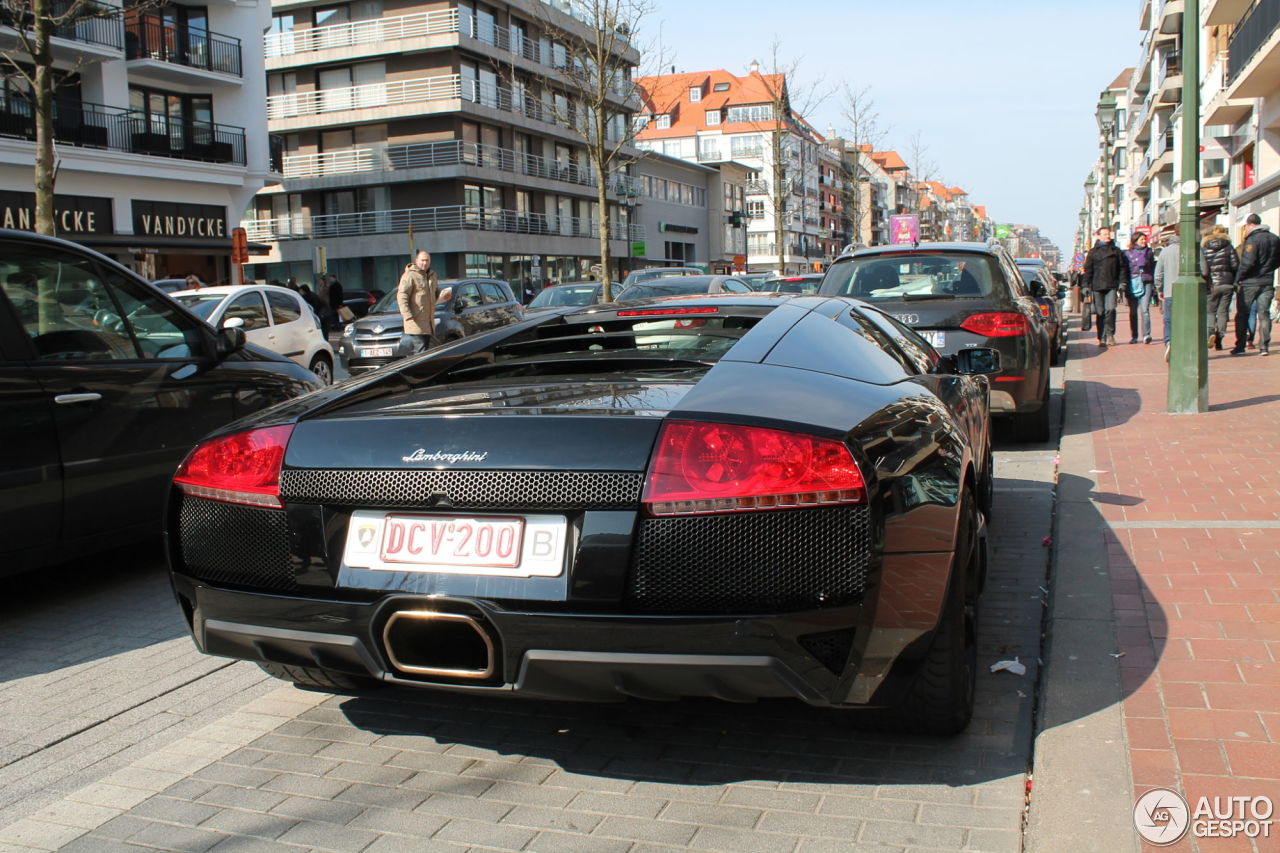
x,y
717,117
692,213
1151,125
437,125
159,131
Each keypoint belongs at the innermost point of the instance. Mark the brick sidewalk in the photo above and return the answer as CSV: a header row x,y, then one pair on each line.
x,y
1190,505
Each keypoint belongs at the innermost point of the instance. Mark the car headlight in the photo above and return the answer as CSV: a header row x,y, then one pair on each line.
x,y
349,331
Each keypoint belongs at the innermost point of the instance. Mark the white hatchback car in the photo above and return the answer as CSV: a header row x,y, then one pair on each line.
x,y
274,318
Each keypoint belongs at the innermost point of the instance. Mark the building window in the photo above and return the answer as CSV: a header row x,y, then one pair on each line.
x,y
328,15
664,121
759,112
639,123
720,87
695,94
713,118
671,147
746,146
755,209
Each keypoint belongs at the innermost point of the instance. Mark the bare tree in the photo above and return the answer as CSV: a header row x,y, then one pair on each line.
x,y
923,169
863,135
784,125
596,57
36,22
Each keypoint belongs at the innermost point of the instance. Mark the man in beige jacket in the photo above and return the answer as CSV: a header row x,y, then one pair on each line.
x,y
417,295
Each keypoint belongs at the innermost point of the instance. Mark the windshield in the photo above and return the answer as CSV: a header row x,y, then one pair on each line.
x,y
923,275
201,305
554,297
1028,273
657,290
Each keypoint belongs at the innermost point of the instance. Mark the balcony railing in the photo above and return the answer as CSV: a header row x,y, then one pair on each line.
x,y
152,37
423,219
1249,37
374,31
104,29
96,126
418,90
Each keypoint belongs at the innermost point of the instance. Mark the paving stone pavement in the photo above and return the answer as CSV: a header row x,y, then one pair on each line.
x,y
427,771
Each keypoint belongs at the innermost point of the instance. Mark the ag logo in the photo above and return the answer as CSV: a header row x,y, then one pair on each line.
x,y
1161,816
365,535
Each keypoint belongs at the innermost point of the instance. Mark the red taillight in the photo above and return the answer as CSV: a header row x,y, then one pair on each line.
x,y
1003,324
690,324
242,468
707,468
1044,310
666,312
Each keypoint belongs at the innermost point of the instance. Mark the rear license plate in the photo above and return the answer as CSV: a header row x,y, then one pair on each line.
x,y
511,546
935,339
377,352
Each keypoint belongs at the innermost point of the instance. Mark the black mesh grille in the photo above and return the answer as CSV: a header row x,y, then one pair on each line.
x,y
751,562
464,489
240,545
830,648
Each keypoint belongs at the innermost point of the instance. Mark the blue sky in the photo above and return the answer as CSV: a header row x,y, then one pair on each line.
x,y
1002,93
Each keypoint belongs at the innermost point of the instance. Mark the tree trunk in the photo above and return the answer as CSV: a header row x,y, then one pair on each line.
x,y
43,94
780,201
602,224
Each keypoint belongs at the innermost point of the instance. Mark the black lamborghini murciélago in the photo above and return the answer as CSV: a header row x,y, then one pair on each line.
x,y
736,496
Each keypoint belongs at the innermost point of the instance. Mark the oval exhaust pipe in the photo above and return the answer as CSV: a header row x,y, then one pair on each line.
x,y
446,645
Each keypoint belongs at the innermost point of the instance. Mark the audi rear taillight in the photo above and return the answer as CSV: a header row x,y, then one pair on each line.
x,y
1044,310
1000,324
242,468
700,468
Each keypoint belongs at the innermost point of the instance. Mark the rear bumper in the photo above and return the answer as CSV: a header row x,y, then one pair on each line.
x,y
813,656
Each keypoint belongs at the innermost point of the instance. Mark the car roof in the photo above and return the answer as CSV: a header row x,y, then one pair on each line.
x,y
1029,262
910,248
228,289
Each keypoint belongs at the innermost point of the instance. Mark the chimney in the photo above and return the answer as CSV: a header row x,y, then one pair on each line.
x,y
755,67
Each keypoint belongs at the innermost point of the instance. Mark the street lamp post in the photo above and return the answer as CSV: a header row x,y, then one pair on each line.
x,y
1188,353
1106,116
1089,184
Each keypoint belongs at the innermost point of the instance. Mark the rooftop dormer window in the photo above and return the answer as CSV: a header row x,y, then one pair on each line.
x,y
695,94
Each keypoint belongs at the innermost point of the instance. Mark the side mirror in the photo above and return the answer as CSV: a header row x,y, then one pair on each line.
x,y
977,361
230,340
233,323
1037,288
1062,290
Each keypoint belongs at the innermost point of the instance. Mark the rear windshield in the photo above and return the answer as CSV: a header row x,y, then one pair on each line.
x,y
201,305
591,344
927,275
554,297
792,285
668,287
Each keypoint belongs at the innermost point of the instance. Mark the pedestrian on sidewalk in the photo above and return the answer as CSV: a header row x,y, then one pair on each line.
x,y
1218,264
1142,268
1255,280
1106,270
1167,266
417,295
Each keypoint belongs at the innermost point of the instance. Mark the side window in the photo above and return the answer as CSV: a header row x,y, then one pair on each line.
x,y
466,296
735,287
284,307
64,305
1011,272
161,332
249,308
921,355
493,293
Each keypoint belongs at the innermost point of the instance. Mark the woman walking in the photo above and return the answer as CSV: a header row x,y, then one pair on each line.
x,y
1218,262
1137,291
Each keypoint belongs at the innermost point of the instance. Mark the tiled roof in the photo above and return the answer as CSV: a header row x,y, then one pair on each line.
x,y
1122,82
668,94
889,160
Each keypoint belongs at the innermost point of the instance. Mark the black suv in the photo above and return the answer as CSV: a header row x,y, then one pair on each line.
x,y
958,296
467,306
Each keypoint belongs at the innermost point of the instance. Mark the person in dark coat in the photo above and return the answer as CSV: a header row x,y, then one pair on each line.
x,y
1106,270
1256,282
335,293
1138,289
1218,264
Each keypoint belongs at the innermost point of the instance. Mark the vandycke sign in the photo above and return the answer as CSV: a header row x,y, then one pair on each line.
x,y
171,219
72,214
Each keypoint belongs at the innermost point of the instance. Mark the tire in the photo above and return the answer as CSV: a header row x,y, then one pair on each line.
x,y
1056,352
987,485
322,367
1033,427
312,678
941,700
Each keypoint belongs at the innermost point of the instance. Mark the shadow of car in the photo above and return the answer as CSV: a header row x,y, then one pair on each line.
x,y
467,306
107,384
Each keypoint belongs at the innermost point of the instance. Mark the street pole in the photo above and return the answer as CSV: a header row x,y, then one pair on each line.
x,y
1188,354
1106,178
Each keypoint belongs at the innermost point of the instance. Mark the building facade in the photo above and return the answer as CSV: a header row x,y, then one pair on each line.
x,y
715,117
691,213
159,130
437,125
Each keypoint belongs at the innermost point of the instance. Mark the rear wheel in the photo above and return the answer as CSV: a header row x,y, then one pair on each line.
x,y
941,700
313,678
1033,427
322,367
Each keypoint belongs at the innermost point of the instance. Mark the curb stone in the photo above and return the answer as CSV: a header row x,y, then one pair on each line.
x,y
1082,795
87,809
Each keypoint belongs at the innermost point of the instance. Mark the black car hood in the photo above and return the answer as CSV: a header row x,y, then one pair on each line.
x,y
575,424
